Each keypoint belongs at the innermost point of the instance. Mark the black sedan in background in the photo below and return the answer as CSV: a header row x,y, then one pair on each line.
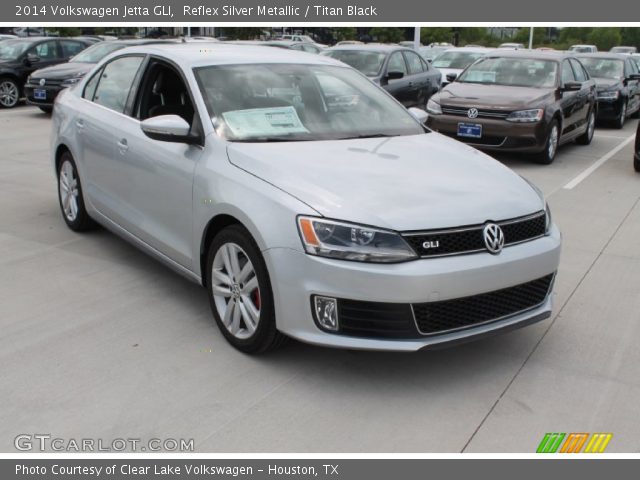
x,y
618,85
20,57
400,71
43,85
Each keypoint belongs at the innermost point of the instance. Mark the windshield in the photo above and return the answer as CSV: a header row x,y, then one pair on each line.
x,y
456,59
513,71
581,49
603,67
12,49
369,63
97,52
285,102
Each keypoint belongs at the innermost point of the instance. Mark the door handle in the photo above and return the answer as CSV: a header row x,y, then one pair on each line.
x,y
123,146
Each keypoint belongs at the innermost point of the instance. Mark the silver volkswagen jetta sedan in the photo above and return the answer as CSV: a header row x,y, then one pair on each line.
x,y
307,201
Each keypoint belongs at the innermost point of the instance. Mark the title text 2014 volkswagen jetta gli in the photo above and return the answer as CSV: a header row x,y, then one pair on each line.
x,y
305,199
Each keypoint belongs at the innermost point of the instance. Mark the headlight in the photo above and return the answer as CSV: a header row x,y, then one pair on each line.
x,y
29,79
433,107
346,241
609,95
534,115
547,224
71,81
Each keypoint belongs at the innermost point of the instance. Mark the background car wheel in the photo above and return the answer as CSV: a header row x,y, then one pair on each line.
x,y
551,146
9,92
70,196
619,123
46,109
587,136
240,293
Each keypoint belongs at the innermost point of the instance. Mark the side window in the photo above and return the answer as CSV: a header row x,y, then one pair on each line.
x,y
115,82
413,60
90,87
46,50
567,73
164,92
71,48
578,71
310,48
425,65
396,63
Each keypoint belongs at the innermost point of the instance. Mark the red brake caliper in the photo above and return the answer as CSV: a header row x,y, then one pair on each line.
x,y
255,297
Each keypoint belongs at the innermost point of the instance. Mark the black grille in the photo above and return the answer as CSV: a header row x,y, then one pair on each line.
x,y
48,82
470,239
438,317
376,320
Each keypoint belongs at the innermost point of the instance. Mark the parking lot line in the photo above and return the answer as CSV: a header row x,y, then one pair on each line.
x,y
597,164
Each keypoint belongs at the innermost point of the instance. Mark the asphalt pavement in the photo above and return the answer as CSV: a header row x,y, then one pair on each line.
x,y
97,340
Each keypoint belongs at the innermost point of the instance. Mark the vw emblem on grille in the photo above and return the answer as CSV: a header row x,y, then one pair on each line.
x,y
42,82
493,238
472,113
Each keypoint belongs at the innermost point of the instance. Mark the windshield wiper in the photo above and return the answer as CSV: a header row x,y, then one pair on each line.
x,y
371,135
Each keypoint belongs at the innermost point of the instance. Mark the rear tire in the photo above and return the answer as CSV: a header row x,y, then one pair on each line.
x,y
587,136
240,294
70,195
9,92
548,155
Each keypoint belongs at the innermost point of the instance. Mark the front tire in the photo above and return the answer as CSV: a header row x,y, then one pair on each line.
x,y
70,195
548,155
620,121
239,291
46,109
587,136
9,92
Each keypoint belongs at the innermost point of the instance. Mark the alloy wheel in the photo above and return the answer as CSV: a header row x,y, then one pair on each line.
x,y
68,184
591,128
236,291
553,142
9,95
623,115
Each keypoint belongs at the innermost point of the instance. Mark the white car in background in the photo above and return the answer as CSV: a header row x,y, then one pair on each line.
x,y
305,199
453,61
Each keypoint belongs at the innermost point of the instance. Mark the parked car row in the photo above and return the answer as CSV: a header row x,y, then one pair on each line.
x,y
533,101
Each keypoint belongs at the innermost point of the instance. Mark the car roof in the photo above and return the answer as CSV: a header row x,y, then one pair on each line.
x,y
470,49
532,54
189,55
609,55
372,47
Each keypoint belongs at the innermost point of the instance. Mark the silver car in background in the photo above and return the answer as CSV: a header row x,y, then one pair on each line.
x,y
307,201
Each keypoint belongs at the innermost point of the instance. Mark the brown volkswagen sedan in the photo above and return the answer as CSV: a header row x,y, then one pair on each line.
x,y
519,101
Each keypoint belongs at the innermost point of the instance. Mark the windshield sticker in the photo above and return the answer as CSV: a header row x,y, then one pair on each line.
x,y
264,122
480,76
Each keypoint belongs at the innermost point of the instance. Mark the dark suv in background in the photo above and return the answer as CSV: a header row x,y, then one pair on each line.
x,y
20,57
636,156
518,101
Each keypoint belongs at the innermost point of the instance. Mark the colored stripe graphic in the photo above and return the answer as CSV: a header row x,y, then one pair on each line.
x,y
598,442
574,443
550,443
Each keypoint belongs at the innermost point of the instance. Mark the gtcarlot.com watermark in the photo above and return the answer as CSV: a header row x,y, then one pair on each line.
x,y
45,442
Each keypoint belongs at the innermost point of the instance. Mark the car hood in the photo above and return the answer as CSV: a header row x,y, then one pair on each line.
x,y
493,96
401,183
63,71
607,83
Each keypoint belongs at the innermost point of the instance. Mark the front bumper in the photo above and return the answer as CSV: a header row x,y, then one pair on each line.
x,y
52,92
609,109
296,277
497,134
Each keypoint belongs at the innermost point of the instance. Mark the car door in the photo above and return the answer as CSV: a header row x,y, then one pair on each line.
x,y
418,80
106,96
398,87
569,101
154,183
585,95
633,85
41,55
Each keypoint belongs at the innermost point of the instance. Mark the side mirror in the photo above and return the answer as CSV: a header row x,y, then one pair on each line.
x,y
31,58
634,76
571,87
394,75
168,128
419,114
451,77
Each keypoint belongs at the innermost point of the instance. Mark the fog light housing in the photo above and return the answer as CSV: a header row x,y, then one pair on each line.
x,y
325,310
